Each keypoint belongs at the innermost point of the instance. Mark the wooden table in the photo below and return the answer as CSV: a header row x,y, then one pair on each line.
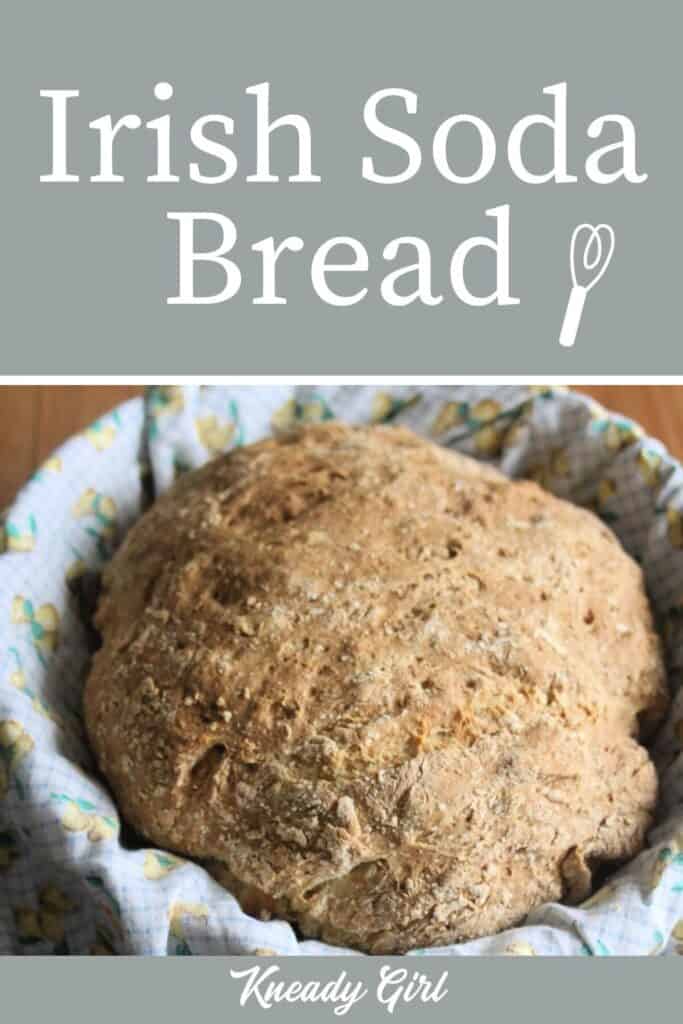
x,y
35,419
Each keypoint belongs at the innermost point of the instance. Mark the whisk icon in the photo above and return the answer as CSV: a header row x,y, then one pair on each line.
x,y
597,246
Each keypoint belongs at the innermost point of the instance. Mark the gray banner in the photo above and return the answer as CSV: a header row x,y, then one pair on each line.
x,y
90,265
431,990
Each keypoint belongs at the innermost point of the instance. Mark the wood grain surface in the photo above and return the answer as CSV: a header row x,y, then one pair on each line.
x,y
34,419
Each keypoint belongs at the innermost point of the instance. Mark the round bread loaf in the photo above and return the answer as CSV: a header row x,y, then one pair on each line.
x,y
377,688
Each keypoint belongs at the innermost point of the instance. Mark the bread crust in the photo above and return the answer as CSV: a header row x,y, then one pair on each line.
x,y
379,689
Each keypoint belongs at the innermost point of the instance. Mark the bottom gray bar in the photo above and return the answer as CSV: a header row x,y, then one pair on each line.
x,y
112,991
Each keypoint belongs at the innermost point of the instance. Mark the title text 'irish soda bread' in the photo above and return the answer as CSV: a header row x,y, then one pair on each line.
x,y
386,693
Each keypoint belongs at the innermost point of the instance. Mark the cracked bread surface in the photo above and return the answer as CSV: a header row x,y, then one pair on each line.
x,y
377,688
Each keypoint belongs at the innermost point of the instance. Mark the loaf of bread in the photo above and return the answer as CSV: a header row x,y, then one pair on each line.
x,y
376,688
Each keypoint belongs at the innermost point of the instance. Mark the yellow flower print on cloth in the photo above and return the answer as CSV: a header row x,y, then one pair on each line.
x,y
650,466
17,676
450,415
16,537
674,526
607,489
102,432
157,864
386,407
617,433
217,433
74,571
43,622
555,467
604,502
162,401
166,398
492,428
102,510
17,679
519,949
177,912
293,412
51,466
47,922
15,744
491,431
77,815
548,390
